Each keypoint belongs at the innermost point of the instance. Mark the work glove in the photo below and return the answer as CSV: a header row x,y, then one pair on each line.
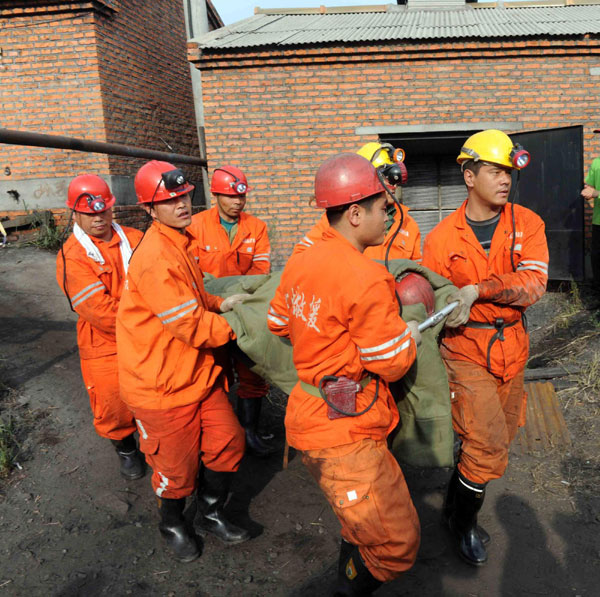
x,y
413,326
466,296
231,301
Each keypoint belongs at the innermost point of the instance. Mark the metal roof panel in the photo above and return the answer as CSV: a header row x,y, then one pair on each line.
x,y
285,30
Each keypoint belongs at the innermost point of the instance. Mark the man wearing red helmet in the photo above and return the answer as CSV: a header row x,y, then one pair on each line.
x,y
403,237
339,310
230,242
90,270
167,329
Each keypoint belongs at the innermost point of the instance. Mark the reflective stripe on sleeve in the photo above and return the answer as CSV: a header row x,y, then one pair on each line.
x,y
388,355
93,289
191,304
306,242
539,266
277,318
385,345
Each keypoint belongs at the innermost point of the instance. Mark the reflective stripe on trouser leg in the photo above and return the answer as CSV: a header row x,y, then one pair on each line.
x,y
170,440
367,491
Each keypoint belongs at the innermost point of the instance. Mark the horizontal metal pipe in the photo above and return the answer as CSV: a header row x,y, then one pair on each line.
x,y
12,137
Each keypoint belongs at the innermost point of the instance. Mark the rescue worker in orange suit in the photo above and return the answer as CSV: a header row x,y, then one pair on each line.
x,y
339,310
167,328
91,269
403,237
496,253
230,242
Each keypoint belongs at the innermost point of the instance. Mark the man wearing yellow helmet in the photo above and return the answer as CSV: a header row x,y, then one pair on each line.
x,y
496,253
402,237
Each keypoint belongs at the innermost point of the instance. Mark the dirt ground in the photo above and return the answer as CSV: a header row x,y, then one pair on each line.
x,y
70,525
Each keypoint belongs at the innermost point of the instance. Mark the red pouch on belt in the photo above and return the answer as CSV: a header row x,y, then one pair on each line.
x,y
341,393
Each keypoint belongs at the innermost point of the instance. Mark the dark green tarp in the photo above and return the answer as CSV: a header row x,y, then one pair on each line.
x,y
425,437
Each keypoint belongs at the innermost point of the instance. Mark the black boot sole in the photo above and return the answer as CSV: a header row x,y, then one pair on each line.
x,y
133,477
484,536
203,531
464,558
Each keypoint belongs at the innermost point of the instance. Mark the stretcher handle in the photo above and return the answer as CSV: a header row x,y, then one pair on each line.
x,y
438,316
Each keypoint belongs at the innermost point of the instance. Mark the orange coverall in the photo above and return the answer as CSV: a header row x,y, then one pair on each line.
x,y
407,244
167,326
249,254
95,291
339,310
488,401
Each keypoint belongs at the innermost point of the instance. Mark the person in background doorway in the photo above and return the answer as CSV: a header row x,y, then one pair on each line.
x,y
402,236
590,192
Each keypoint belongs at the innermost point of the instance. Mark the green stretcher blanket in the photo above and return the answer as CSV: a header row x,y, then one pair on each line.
x,y
425,436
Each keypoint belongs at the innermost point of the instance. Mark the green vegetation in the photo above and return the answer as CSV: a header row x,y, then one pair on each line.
x,y
572,307
49,235
7,445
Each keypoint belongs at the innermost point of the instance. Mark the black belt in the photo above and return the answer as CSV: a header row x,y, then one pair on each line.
x,y
499,326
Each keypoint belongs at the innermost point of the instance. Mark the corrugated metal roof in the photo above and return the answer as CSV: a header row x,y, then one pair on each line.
x,y
284,30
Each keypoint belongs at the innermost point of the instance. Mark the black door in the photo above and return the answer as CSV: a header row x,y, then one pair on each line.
x,y
550,186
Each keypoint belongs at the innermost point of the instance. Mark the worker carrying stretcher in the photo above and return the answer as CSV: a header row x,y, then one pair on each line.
x,y
339,310
496,253
402,236
167,329
227,241
90,269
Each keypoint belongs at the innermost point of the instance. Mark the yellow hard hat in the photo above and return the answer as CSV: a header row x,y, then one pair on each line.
x,y
379,154
495,147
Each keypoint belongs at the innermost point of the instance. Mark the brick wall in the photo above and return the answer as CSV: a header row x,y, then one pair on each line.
x,y
283,112
104,70
126,215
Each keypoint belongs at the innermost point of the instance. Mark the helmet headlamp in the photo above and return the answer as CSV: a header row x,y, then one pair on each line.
x,y
519,156
173,179
95,202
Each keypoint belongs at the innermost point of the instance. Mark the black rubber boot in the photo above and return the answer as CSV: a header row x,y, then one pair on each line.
x,y
449,507
354,578
468,500
133,465
210,517
172,527
248,412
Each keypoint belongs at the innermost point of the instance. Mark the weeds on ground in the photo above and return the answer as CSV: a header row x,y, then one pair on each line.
x,y
588,380
7,445
573,306
50,236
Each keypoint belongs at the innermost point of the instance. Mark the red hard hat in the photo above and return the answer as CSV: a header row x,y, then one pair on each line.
x,y
160,181
413,288
345,178
89,194
229,180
